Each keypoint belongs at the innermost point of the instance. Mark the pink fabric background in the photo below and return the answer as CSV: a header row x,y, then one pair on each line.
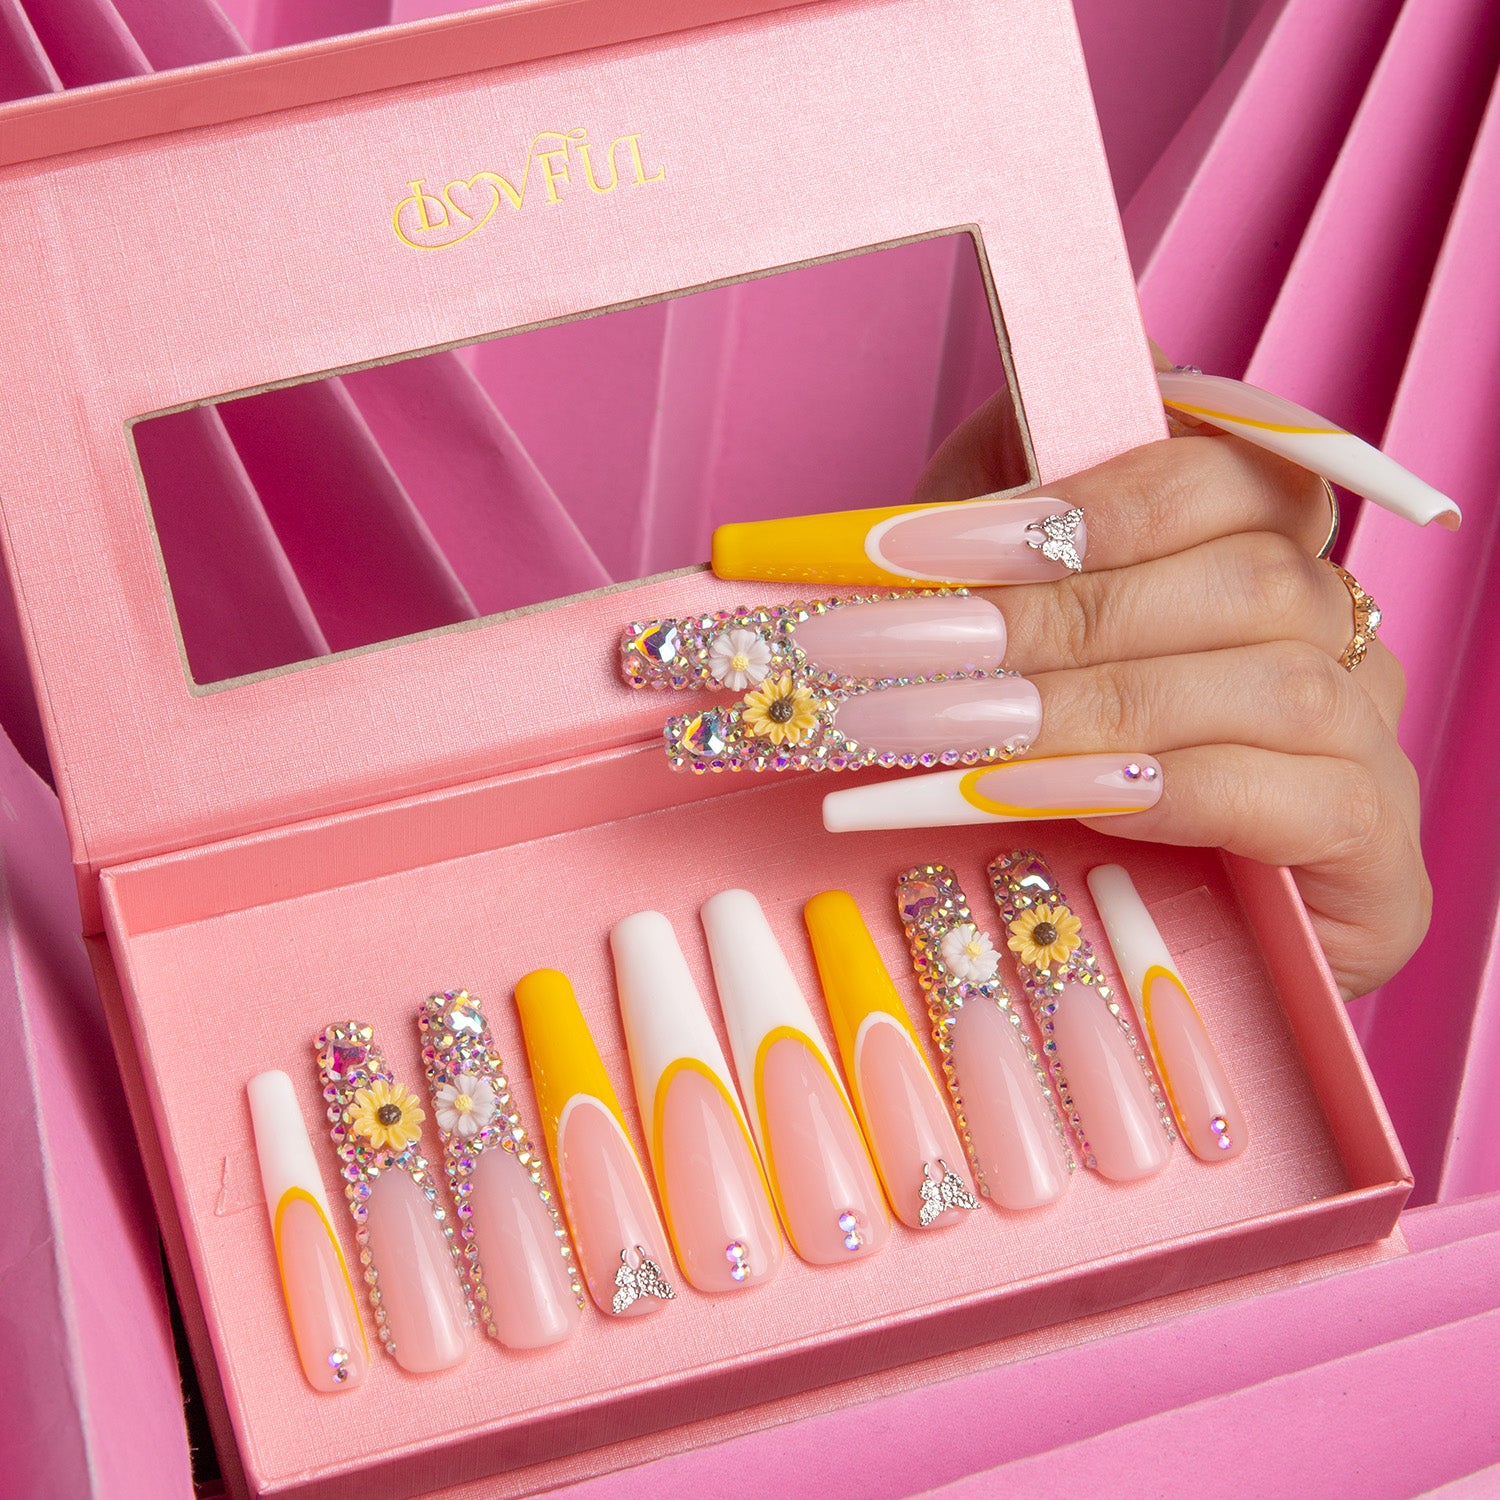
x,y
1309,188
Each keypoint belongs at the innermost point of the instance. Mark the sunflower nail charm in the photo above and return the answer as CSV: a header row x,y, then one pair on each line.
x,y
1044,936
387,1115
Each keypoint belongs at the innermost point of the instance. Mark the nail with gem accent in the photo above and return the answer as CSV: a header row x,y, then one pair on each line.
x,y
1064,786
712,1189
1273,422
521,1271
998,1087
1208,1114
900,1105
1102,1076
819,1170
989,540
315,1280
413,1269
621,1245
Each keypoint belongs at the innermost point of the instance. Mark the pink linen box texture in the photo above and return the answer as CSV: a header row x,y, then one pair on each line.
x,y
261,851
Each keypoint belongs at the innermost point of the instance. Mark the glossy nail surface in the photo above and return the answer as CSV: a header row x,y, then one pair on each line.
x,y
819,1171
1208,1114
1016,1143
315,1280
523,1279
912,637
982,541
417,1285
900,1105
1102,1075
1065,786
713,1192
622,1248
988,715
1271,421
423,1299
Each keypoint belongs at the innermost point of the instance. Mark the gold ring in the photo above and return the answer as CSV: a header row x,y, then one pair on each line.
x,y
1333,521
1366,620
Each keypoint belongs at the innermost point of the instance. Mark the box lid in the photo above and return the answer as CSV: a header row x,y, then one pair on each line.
x,y
152,267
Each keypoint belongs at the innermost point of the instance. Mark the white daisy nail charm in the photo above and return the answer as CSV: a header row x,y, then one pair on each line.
x,y
969,954
465,1106
739,659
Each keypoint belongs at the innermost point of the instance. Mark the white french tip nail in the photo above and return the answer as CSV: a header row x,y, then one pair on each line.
x,y
1272,422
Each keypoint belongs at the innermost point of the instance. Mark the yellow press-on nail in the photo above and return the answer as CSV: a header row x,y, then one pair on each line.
x,y
564,1059
856,983
806,549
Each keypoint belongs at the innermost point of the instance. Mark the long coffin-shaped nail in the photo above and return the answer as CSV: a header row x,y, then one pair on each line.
x,y
712,1188
989,540
1005,1106
1103,1079
905,1119
839,683
521,1270
1273,422
411,1258
616,1230
1063,786
315,1280
1208,1114
820,1172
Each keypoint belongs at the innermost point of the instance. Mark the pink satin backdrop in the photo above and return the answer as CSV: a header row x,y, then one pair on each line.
x,y
1293,175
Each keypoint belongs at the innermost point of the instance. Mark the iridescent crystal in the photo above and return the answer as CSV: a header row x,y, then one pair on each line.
x,y
465,1017
917,898
662,643
704,734
342,1058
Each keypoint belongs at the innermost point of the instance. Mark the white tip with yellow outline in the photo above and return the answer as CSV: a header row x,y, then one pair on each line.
x,y
315,1281
710,1181
820,1172
1282,426
1198,1087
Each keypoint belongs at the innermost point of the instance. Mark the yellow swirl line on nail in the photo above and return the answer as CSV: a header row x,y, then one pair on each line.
x,y
1229,416
968,789
1155,972
301,1195
769,1040
658,1133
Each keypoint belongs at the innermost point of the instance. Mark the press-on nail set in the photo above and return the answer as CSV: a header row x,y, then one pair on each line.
x,y
785,1147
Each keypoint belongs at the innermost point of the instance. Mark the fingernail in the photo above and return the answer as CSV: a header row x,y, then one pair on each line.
x,y
819,1171
520,1263
984,541
1102,1076
621,1246
991,716
1208,1115
912,1139
1064,786
315,1280
415,1276
999,1088
713,1192
911,637
1272,422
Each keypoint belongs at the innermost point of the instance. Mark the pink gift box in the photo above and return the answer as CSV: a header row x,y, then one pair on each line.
x,y
258,856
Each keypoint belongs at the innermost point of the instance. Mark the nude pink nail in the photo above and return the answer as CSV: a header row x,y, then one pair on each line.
x,y
1103,1079
819,1171
713,1192
1208,1114
976,541
1002,713
913,637
531,1299
417,1288
425,1310
609,1207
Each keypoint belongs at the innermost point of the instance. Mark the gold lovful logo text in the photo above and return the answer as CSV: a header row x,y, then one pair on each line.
x,y
433,219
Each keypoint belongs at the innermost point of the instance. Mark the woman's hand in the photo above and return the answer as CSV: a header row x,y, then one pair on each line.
x,y
1205,630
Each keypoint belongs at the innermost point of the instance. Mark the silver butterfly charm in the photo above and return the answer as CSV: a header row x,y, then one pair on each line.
x,y
1056,542
644,1279
948,1192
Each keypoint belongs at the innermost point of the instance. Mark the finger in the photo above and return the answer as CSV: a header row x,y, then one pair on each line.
x,y
1155,500
1356,860
1284,695
1235,590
